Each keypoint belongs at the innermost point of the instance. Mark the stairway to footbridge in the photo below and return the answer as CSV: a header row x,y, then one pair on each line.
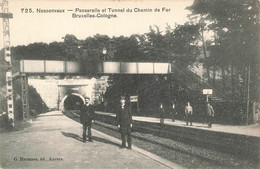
x,y
195,83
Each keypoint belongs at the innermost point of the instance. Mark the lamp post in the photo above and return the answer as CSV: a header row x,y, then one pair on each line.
x,y
241,88
104,52
248,95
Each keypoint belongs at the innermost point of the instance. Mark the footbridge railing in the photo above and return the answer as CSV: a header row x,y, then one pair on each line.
x,y
73,67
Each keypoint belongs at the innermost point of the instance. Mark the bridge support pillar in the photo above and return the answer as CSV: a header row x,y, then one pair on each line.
x,y
25,98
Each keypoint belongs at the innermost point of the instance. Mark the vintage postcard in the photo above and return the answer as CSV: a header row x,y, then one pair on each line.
x,y
129,84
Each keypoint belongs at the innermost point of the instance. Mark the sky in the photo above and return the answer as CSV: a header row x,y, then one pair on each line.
x,y
31,27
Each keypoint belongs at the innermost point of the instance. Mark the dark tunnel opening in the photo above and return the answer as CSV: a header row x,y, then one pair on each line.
x,y
73,102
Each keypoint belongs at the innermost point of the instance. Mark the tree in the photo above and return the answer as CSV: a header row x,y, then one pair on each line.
x,y
32,51
236,42
93,46
127,48
71,47
155,48
57,51
185,38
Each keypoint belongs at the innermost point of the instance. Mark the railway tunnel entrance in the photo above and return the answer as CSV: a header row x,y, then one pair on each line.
x,y
72,102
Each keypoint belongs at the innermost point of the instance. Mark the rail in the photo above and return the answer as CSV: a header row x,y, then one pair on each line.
x,y
229,142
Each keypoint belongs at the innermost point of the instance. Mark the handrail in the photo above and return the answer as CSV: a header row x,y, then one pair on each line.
x,y
201,82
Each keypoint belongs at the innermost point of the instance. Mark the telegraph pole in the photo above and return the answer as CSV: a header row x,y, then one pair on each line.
x,y
7,54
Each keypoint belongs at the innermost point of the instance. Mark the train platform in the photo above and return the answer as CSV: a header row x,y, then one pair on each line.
x,y
249,130
55,141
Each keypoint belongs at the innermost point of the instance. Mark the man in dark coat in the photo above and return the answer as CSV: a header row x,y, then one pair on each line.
x,y
210,113
162,112
124,119
86,117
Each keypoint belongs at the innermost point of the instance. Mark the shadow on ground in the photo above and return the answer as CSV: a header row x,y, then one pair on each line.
x,y
72,135
94,138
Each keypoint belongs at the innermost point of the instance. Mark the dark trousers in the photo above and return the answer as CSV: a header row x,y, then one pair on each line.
x,y
128,134
210,120
188,119
85,127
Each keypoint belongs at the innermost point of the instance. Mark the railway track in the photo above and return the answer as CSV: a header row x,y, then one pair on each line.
x,y
187,153
177,150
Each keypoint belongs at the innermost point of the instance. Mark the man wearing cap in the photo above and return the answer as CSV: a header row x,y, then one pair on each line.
x,y
124,119
86,117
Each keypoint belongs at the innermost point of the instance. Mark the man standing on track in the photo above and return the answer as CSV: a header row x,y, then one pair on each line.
x,y
124,119
86,117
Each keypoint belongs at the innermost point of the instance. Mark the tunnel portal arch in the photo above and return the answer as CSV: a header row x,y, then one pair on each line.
x,y
63,100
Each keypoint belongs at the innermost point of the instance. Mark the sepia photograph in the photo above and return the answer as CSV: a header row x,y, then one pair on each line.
x,y
129,84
